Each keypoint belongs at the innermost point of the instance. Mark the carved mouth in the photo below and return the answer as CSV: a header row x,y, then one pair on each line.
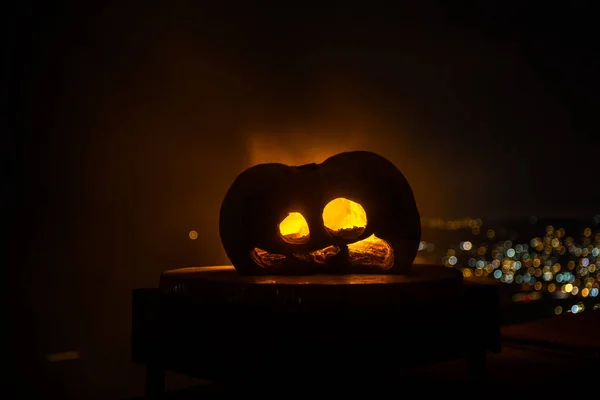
x,y
372,252
319,256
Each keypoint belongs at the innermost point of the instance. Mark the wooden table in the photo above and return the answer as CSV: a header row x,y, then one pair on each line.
x,y
212,323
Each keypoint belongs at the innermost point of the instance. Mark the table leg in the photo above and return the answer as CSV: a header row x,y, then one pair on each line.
x,y
476,359
155,382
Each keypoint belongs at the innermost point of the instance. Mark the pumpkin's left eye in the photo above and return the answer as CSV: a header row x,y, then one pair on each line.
x,y
294,229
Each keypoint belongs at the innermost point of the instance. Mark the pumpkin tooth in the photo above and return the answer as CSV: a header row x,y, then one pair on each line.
x,y
303,257
319,256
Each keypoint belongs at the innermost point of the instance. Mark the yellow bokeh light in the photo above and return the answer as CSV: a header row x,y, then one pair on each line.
x,y
193,235
294,228
558,310
556,267
585,292
568,288
341,215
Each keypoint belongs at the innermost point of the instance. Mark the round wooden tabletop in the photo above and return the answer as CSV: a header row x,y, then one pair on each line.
x,y
228,274
224,284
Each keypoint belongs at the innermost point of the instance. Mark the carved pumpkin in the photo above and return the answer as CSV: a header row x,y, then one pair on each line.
x,y
353,213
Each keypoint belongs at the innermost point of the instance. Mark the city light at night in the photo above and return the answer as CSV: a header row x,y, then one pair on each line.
x,y
555,262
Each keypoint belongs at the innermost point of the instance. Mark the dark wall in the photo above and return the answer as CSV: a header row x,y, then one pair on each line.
x,y
128,121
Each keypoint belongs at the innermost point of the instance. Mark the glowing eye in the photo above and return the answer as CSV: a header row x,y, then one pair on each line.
x,y
344,218
294,229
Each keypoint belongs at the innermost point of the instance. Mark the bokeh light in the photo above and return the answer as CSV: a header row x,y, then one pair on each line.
x,y
554,261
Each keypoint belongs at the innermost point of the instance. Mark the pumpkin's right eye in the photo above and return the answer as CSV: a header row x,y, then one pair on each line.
x,y
344,218
294,229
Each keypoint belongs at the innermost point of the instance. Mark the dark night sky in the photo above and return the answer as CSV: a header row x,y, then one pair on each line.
x,y
130,121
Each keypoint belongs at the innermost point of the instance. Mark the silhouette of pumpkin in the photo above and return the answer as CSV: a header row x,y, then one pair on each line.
x,y
353,213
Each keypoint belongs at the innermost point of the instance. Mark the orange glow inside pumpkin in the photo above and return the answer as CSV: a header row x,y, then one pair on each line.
x,y
294,228
341,217
319,256
265,259
345,218
372,251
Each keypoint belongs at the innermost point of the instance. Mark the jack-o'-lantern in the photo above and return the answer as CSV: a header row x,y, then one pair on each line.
x,y
353,213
